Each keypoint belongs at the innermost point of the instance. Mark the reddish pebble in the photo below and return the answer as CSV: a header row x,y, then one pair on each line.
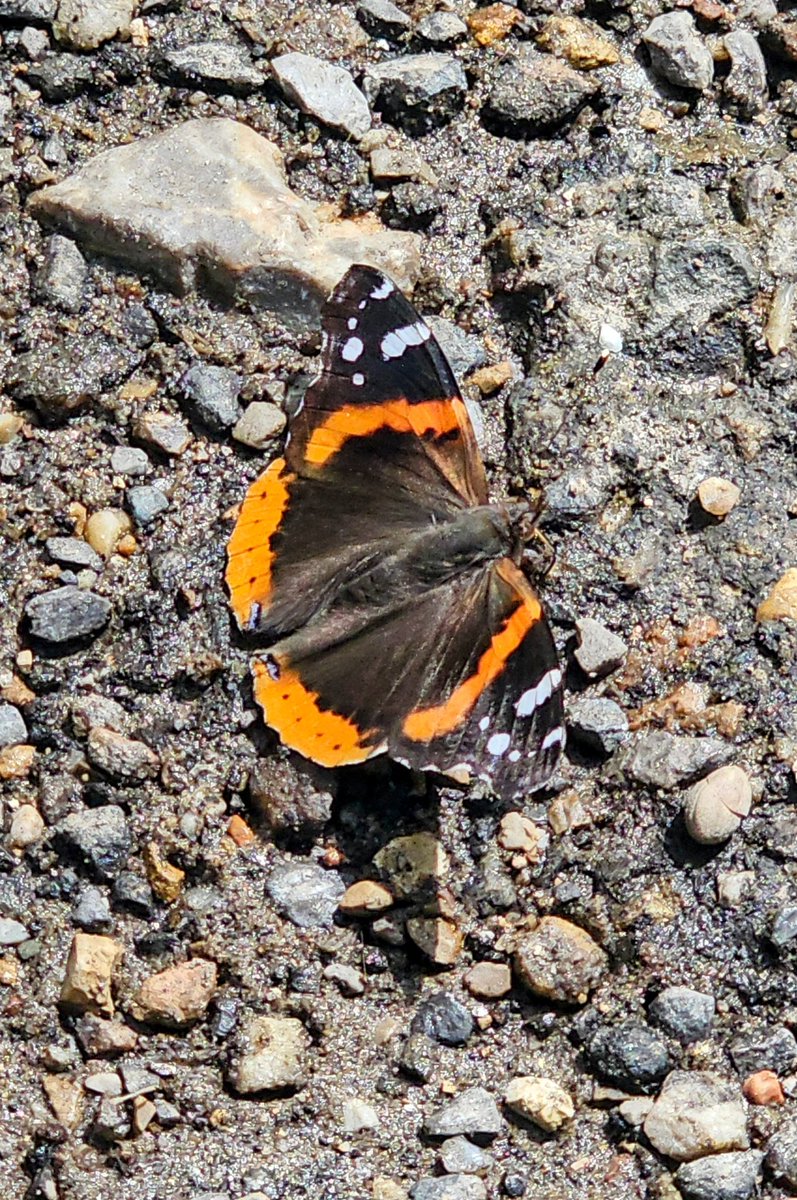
x,y
763,1088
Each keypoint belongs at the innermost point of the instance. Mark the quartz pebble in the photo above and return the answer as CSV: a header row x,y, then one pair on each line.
x,y
261,422
560,961
357,1116
306,893
718,496
325,91
130,461
442,28
270,1055
677,52
715,806
105,528
458,1156
541,1101
12,933
781,603
449,1187
697,1113
27,828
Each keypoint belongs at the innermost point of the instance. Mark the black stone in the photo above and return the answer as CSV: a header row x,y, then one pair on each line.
x,y
444,1019
629,1055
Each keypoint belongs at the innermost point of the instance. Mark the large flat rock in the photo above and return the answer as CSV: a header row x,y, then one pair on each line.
x,y
207,205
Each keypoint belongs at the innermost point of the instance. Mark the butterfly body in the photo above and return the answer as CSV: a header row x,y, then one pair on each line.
x,y
386,583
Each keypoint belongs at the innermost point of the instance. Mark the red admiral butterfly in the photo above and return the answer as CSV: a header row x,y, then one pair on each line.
x,y
388,585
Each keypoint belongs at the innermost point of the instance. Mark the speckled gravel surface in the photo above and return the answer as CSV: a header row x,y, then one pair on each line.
x,y
221,974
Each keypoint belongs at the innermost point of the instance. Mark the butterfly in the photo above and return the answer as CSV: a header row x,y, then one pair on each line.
x,y
384,584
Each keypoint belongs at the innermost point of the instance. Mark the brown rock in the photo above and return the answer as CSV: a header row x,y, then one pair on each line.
x,y
763,1088
9,970
177,996
581,44
163,432
560,961
121,757
89,971
493,23
517,832
781,603
65,1096
490,379
365,898
440,940
488,980
718,496
104,1039
239,831
16,761
541,1101
165,879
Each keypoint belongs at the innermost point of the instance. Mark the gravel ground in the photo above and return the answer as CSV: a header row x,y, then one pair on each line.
x,y
594,996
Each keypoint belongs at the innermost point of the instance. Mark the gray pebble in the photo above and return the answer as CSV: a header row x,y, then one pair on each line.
x,y
536,94
668,760
746,85
382,18
99,836
129,461
31,948
324,91
598,723
35,42
772,1049
444,1019
348,979
730,1176
418,1057
146,503
473,1113
61,76
216,66
13,730
73,552
305,893
212,393
677,52
576,495
133,894
754,192
784,926
458,1156
417,91
599,651
442,28
12,933
92,911
140,326
62,277
449,1187
259,425
464,351
684,1013
781,1160
29,10
67,614
630,1055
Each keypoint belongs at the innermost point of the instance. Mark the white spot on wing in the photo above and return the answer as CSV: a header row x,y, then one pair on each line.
x,y
513,755
382,290
485,721
394,344
358,379
352,349
352,323
498,744
551,739
533,697
362,304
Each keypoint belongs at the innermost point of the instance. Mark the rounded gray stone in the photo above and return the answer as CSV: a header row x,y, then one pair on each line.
x,y
305,893
13,730
67,614
684,1013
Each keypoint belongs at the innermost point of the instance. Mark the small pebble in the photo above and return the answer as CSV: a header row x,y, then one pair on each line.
x,y
129,461
598,723
73,552
488,980
580,42
715,806
442,28
99,837
730,1176
357,1115
781,1159
444,1019
121,758
382,18
677,52
305,893
718,496
781,603
599,651
458,1156
697,1113
270,1055
324,90
178,996
67,614
163,432
413,863
450,1187
348,979
365,898
211,393
92,911
12,933
259,425
541,1101
86,986
27,828
493,23
436,937
684,1013
472,1113
61,279
560,961
105,528
146,503
763,1088
629,1055
13,730
771,1048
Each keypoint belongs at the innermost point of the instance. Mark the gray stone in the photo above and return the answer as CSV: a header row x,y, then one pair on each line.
x,y
67,614
668,760
784,926
163,431
754,193
87,25
630,1056
576,495
62,277
323,91
464,351
35,42
598,723
133,894
61,76
458,1156
28,10
172,203
73,552
677,52
449,1187
418,1057
215,66
697,1113
684,1013
129,461
599,651
60,378
473,1113
212,395
100,837
442,28
781,1160
89,712
382,18
535,94
417,91
772,1049
146,503
305,893
92,911
12,933
121,758
444,1019
782,249
698,279
746,86
13,731
259,425
730,1176
111,1123
348,979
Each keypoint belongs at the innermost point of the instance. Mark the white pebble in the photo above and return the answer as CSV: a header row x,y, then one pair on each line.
x,y
714,807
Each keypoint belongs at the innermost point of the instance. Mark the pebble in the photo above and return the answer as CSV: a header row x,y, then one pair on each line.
x,y
214,66
780,322
133,894
488,980
381,18
715,806
323,91
163,432
629,1055
286,804
560,961
677,52
464,351
542,1101
67,614
259,425
781,1159
129,461
684,1013
270,1055
10,425
442,28
770,1049
13,730
669,760
104,529
165,878
211,394
101,1038
781,603
93,711
436,937
86,986
104,1083
718,496
732,1176
12,933
580,42
746,86
74,553
60,76
87,26
599,650
16,762
535,95
598,723
418,1057
61,279
364,898
34,42
697,1113
305,893
414,864
784,926
734,886
493,23
417,91
763,1088
146,504
206,165
65,1098
121,758
458,1156
473,1113
99,836
449,1187
92,911
443,1019
348,979
27,828
178,996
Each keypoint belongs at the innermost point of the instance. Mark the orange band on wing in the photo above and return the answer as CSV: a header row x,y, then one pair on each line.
x,y
437,417
249,552
425,724
292,710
